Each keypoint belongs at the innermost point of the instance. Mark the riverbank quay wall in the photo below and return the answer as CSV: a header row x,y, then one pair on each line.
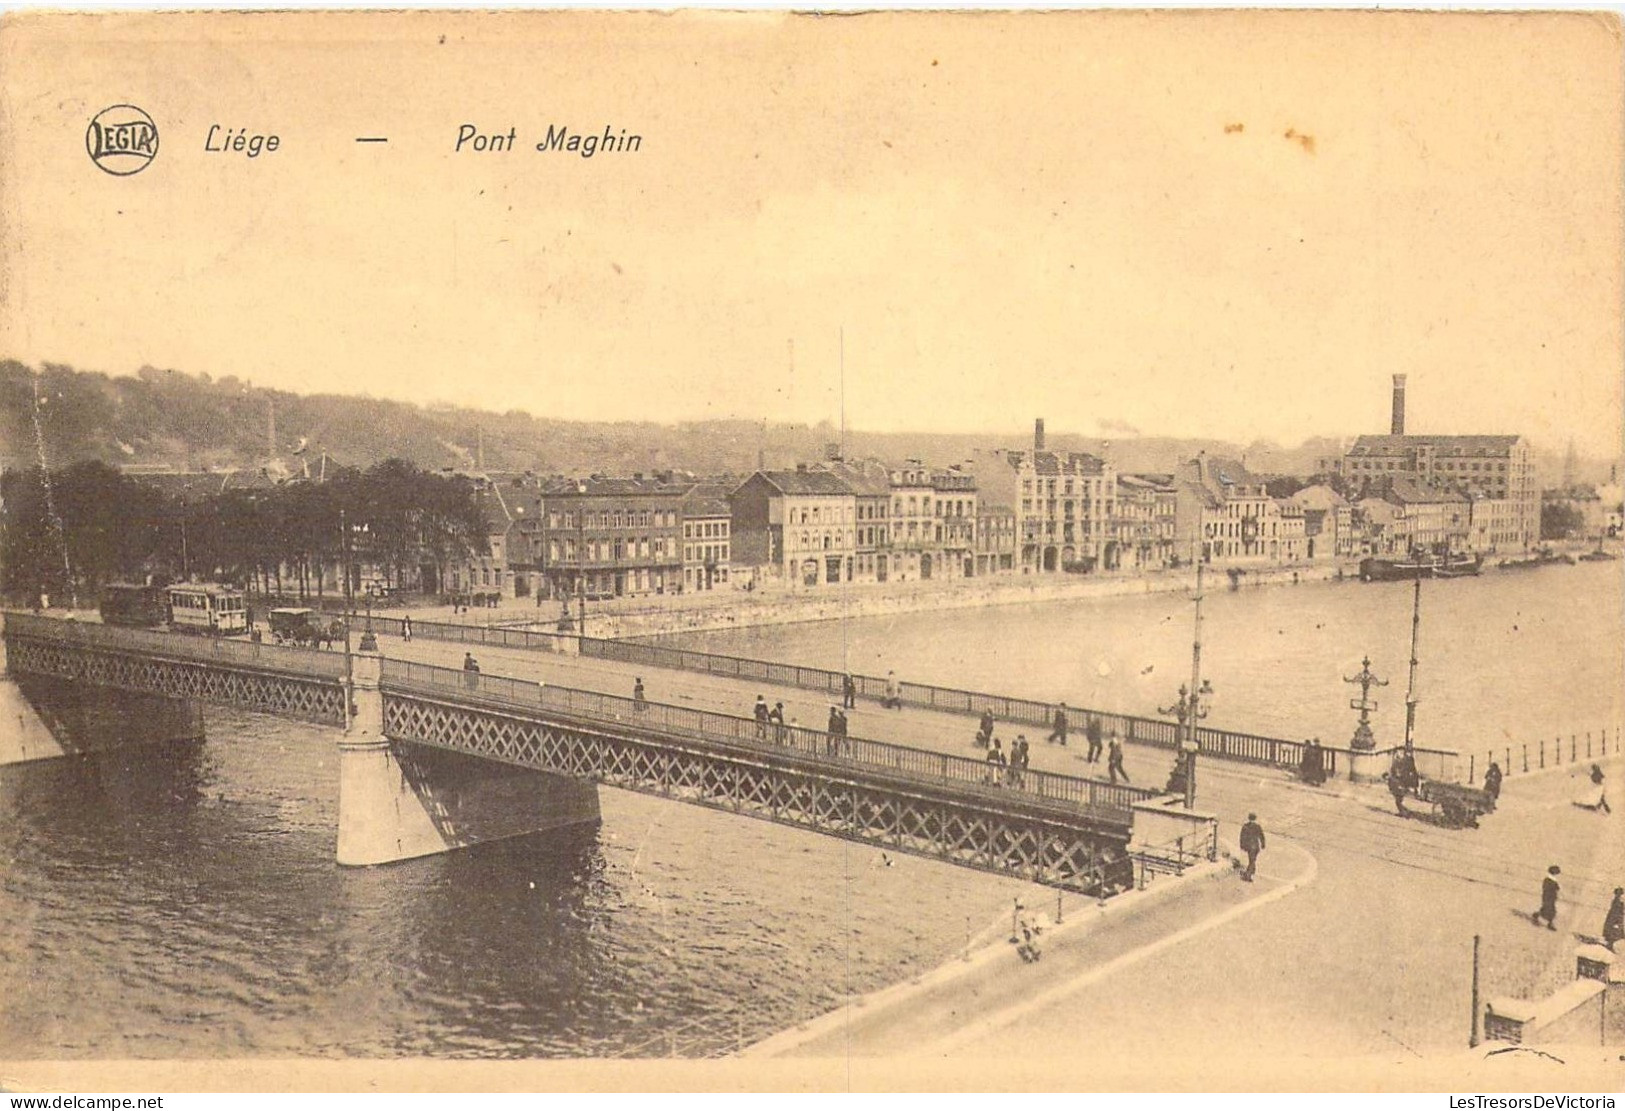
x,y
84,687
888,600
1063,831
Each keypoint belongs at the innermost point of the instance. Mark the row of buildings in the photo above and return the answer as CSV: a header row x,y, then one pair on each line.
x,y
1032,511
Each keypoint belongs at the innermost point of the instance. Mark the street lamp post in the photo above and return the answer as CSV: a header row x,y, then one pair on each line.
x,y
349,607
1410,692
1363,740
369,640
1188,709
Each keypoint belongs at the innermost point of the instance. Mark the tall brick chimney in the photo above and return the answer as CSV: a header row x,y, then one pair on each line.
x,y
1399,405
1038,434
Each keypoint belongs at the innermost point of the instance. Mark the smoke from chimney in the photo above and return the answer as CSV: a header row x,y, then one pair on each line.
x,y
1038,434
1399,405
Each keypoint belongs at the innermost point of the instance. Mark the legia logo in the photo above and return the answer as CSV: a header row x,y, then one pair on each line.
x,y
122,140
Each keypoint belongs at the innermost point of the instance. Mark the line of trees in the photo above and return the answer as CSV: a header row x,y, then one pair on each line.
x,y
67,532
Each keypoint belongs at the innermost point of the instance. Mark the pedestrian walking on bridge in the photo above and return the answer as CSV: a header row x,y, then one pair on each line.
x,y
894,692
639,702
1059,732
1613,924
761,712
1095,735
776,716
471,671
1548,899
1114,761
995,762
849,693
1252,843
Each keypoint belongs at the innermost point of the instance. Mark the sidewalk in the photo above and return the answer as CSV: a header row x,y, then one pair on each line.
x,y
964,1005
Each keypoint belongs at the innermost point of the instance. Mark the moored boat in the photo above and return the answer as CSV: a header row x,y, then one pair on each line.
x,y
1456,565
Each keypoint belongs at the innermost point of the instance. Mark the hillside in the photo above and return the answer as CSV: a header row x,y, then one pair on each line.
x,y
164,417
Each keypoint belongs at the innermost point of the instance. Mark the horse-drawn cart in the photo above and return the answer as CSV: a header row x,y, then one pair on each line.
x,y
294,625
1456,804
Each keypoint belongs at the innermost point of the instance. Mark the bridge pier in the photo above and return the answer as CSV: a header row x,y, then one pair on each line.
x,y
398,800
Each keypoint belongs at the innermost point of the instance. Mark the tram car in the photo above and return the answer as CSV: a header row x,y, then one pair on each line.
x,y
210,609
135,605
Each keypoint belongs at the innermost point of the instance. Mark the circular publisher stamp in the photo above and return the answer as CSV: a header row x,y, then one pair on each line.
x,y
122,140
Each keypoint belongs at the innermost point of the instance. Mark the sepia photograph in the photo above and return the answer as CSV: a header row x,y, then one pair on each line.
x,y
758,551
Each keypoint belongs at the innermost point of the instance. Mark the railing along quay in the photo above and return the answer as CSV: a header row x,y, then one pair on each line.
x,y
220,651
1559,752
810,746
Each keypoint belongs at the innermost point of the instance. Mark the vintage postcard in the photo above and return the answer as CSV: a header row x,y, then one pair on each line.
x,y
710,550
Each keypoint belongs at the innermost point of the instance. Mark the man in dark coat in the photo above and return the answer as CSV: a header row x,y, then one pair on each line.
x,y
1402,780
761,718
1114,761
1548,899
1059,732
1252,843
1094,733
849,693
984,734
1492,783
1613,925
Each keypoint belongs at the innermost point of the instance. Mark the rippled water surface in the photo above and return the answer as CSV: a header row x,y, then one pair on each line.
x,y
1508,656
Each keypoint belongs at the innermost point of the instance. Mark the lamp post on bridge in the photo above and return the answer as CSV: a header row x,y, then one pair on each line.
x,y
1188,709
1363,740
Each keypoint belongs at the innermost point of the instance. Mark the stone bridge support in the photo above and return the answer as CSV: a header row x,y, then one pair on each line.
x,y
398,800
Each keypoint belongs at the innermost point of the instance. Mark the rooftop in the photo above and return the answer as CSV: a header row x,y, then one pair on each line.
x,y
1463,445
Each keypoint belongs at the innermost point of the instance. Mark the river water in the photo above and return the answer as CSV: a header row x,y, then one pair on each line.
x,y
1507,657
182,901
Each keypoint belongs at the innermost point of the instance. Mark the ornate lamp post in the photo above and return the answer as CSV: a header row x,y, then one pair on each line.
x,y
369,641
1188,710
1363,740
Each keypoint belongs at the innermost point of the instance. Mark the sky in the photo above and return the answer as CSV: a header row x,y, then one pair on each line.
x,y
1191,224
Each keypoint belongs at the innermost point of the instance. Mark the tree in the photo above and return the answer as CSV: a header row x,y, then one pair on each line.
x,y
1559,520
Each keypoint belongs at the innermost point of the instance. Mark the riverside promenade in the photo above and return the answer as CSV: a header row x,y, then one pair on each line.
x,y
649,616
1356,941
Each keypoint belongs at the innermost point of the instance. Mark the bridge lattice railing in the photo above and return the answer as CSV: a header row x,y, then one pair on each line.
x,y
1029,786
179,646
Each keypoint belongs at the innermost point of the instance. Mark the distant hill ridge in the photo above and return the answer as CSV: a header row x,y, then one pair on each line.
x,y
194,422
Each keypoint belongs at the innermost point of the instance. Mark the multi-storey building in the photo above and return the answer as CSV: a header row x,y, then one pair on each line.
x,y
796,527
995,539
1143,531
1239,521
510,507
707,538
1328,520
913,522
954,502
612,537
1493,524
1500,468
1064,503
870,482
1496,467
1427,516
